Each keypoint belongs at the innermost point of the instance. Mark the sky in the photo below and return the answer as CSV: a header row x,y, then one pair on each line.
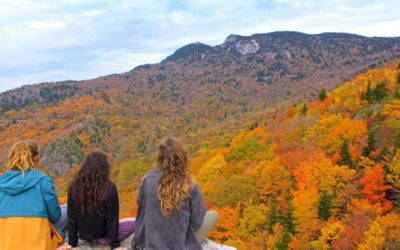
x,y
54,40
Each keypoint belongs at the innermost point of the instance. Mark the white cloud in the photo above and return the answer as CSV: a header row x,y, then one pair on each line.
x,y
48,40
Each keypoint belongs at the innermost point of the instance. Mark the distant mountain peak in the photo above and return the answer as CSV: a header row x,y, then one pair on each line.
x,y
275,62
196,49
231,39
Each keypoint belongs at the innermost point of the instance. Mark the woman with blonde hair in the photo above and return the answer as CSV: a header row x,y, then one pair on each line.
x,y
171,210
28,202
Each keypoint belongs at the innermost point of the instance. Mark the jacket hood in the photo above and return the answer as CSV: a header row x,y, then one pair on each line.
x,y
15,182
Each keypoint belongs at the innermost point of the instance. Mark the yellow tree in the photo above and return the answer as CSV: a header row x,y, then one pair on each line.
x,y
392,109
394,170
329,233
253,224
330,132
272,180
374,237
212,169
319,172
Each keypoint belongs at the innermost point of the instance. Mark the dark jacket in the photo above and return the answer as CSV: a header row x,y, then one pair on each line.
x,y
155,232
94,225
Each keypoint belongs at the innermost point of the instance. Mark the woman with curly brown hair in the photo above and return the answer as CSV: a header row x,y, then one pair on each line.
x,y
171,209
93,206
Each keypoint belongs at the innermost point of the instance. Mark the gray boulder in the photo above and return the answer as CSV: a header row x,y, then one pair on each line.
x,y
206,245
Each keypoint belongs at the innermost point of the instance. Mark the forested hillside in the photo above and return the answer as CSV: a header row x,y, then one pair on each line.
x,y
197,93
289,161
320,175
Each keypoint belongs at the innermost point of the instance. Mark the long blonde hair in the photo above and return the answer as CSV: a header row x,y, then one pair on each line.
x,y
176,180
22,156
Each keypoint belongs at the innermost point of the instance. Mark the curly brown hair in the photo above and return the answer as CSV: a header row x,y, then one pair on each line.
x,y
176,180
89,187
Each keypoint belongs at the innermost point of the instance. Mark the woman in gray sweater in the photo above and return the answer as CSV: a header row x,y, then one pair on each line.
x,y
171,208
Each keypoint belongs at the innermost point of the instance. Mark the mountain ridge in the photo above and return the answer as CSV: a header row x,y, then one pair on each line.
x,y
276,34
196,92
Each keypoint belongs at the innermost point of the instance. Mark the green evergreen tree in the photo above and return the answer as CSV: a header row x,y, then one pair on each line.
x,y
368,94
380,92
345,154
371,144
272,218
284,241
398,78
397,93
322,95
142,146
383,154
397,139
288,220
324,206
304,109
75,138
291,220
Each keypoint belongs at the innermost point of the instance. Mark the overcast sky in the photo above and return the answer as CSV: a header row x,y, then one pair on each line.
x,y
53,40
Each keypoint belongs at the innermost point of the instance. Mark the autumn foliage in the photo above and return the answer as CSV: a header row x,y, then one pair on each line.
x,y
317,175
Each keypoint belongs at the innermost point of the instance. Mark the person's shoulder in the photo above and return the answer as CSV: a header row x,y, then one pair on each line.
x,y
151,173
40,175
112,190
43,180
112,186
195,189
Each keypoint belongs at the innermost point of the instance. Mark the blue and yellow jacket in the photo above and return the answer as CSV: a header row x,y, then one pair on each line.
x,y
28,204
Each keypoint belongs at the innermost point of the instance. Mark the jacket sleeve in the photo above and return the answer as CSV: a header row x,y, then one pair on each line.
x,y
139,221
197,209
72,223
50,199
112,214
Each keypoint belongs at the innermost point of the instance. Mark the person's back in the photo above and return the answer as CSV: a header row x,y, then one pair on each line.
x,y
93,206
28,203
170,204
155,231
94,225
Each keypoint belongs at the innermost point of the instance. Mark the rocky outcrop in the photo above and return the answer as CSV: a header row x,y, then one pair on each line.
x,y
206,245
211,245
61,154
247,47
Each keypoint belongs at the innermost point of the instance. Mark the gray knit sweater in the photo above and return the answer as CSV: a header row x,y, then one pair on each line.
x,y
155,232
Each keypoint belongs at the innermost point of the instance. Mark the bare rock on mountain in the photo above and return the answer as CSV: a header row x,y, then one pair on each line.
x,y
211,245
206,245
60,155
247,47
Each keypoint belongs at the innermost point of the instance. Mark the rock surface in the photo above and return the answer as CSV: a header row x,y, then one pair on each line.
x,y
206,245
